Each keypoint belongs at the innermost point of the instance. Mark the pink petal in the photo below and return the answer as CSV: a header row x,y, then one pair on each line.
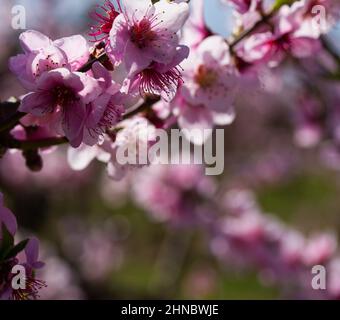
x,y
75,48
37,103
79,158
33,40
74,116
32,251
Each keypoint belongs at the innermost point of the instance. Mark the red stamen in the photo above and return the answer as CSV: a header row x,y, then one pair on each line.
x,y
104,17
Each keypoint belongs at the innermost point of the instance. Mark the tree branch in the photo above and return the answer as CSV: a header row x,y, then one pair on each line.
x,y
34,144
148,103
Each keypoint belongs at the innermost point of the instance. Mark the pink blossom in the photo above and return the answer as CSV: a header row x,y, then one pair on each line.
x,y
209,78
247,12
32,255
41,54
290,36
319,249
144,33
195,29
317,16
210,83
144,38
162,79
251,238
29,260
135,135
63,94
106,110
171,193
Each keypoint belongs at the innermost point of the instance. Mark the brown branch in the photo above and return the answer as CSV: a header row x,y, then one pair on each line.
x,y
88,65
146,105
264,20
33,144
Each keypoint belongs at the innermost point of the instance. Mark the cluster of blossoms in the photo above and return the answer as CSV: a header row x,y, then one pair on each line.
x,y
248,237
24,254
82,93
152,64
241,235
90,94
171,193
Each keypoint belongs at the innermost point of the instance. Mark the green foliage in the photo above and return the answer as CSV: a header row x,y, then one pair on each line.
x,y
279,3
7,248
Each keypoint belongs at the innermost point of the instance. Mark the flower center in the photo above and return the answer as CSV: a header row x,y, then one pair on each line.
x,y
284,42
152,81
205,77
63,95
33,286
142,33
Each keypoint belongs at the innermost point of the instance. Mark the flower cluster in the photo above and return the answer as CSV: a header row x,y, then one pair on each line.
x,y
241,235
151,65
248,237
24,254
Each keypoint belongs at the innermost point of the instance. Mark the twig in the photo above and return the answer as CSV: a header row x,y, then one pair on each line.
x,y
248,32
34,144
148,103
87,66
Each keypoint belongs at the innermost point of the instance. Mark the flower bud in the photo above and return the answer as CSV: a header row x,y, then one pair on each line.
x,y
33,160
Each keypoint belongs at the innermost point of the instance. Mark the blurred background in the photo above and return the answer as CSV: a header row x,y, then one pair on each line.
x,y
98,243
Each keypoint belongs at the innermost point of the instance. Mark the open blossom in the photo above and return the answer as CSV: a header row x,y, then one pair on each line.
x,y
123,151
207,94
317,16
28,260
290,36
107,109
41,54
171,193
250,237
162,79
66,102
195,29
144,39
144,33
63,95
319,249
136,137
246,12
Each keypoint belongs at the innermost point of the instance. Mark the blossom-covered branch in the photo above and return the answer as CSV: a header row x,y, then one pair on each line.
x,y
17,270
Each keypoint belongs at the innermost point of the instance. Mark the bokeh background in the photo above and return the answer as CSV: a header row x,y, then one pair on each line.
x,y
97,243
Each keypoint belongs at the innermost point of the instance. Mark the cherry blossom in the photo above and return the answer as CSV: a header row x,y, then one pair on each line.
x,y
41,54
